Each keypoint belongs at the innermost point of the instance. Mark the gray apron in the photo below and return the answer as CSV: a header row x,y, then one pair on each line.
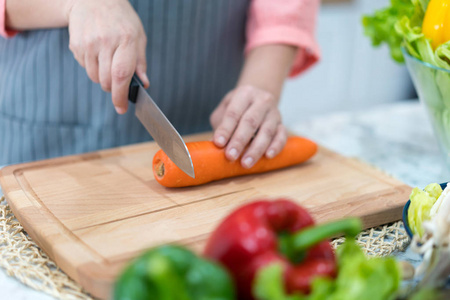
x,y
49,107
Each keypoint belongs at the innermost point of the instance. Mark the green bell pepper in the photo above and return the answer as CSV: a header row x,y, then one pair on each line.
x,y
172,272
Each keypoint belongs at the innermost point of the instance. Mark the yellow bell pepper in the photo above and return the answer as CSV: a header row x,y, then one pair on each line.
x,y
436,23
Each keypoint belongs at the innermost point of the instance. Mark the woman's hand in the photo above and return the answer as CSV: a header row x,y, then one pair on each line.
x,y
107,38
247,121
248,116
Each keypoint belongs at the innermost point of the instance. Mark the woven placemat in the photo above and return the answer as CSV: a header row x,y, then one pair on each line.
x,y
24,260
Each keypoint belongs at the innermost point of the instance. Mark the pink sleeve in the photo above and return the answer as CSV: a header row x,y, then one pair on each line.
x,y
3,31
289,22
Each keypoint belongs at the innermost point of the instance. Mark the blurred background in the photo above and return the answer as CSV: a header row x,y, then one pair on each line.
x,y
352,74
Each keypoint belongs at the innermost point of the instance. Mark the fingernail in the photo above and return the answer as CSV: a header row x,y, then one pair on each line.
x,y
233,153
248,162
270,153
120,110
146,79
221,141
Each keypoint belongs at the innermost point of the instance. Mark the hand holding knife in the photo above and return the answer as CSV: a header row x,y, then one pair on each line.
x,y
159,127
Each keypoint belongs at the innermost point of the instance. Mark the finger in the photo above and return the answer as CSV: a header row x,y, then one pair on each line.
x,y
141,66
105,61
262,140
248,125
79,57
122,70
217,115
78,54
278,142
238,104
91,65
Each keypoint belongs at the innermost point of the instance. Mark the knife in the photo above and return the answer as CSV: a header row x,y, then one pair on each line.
x,y
159,127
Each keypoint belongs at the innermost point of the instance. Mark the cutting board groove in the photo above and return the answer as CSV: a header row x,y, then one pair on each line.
x,y
92,213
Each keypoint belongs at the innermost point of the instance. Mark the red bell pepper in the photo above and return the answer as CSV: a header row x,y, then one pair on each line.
x,y
265,232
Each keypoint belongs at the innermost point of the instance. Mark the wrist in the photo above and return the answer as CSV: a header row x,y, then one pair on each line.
x,y
266,67
26,15
67,8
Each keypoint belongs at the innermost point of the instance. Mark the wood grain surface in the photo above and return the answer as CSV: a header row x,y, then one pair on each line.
x,y
92,213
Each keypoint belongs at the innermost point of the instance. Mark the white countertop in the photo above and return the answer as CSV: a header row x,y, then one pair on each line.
x,y
397,138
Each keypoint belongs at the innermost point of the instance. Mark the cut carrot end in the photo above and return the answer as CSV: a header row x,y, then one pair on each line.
x,y
159,169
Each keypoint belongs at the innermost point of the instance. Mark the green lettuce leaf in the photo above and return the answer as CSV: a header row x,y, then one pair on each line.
x,y
269,285
442,55
359,277
397,25
420,206
415,42
379,27
434,190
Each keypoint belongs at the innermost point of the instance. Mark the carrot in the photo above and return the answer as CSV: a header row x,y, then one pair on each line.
x,y
210,163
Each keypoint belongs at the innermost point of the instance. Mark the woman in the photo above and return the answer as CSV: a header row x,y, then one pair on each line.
x,y
69,58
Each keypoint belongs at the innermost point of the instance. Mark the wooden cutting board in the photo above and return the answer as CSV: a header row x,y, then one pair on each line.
x,y
92,213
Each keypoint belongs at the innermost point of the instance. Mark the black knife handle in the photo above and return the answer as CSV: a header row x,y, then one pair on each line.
x,y
134,88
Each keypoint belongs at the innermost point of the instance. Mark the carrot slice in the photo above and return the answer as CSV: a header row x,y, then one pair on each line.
x,y
210,163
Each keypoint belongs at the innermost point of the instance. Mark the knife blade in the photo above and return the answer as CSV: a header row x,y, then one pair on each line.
x,y
159,127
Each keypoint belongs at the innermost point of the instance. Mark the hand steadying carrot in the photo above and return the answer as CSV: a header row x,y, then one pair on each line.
x,y
210,163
